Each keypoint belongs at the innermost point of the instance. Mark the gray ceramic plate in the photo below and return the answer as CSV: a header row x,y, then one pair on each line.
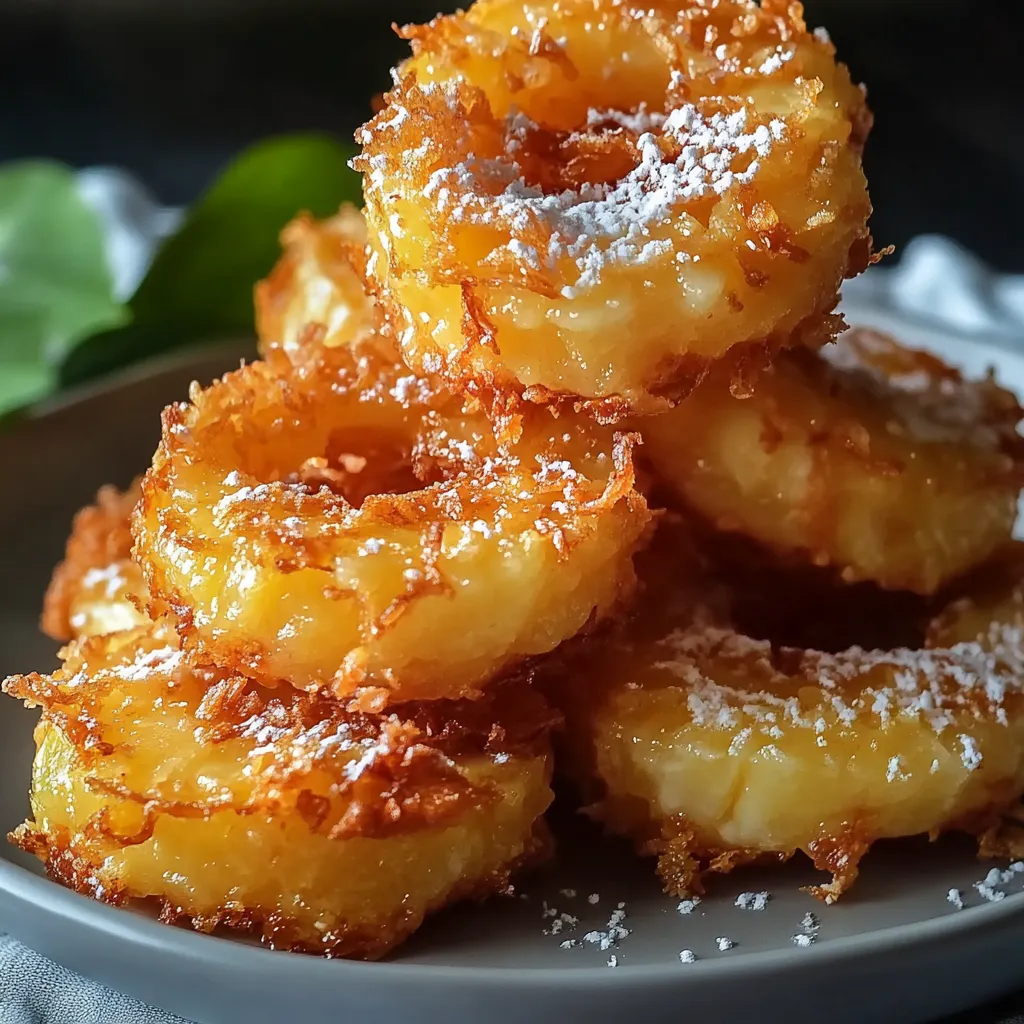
x,y
893,950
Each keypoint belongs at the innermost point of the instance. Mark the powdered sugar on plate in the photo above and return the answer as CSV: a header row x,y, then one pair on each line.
x,y
752,900
613,933
808,933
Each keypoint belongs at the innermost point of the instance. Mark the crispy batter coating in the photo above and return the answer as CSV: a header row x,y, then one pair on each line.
x,y
598,198
875,459
97,588
316,294
275,811
342,524
711,748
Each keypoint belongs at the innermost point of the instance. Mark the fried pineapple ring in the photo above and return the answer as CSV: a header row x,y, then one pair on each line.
x,y
97,588
711,749
316,294
878,460
284,526
597,199
275,812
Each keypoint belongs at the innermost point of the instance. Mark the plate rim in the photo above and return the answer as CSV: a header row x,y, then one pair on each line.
x,y
132,926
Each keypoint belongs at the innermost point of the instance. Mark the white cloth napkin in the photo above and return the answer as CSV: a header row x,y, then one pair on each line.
x,y
134,223
939,283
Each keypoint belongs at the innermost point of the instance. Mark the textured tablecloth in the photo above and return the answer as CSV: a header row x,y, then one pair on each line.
x,y
34,990
935,281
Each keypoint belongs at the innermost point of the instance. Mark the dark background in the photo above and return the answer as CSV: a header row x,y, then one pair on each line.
x,y
172,88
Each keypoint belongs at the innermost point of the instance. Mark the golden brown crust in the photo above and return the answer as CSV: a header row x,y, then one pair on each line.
x,y
100,538
710,748
316,294
73,869
878,461
409,779
478,247
684,862
148,767
270,480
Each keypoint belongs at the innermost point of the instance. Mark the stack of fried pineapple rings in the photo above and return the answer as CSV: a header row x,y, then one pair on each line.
x,y
555,461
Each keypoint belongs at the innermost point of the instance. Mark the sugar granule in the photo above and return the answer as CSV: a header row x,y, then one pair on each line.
x,y
804,938
752,900
563,922
688,906
569,894
724,943
810,922
971,755
687,956
988,893
996,877
613,961
594,898
614,931
956,897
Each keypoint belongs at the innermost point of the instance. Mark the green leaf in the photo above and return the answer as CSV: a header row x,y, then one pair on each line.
x,y
22,383
109,351
55,286
202,279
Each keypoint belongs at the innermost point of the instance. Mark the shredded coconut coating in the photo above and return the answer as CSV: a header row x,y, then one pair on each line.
x,y
325,520
97,588
274,811
877,460
316,293
543,175
712,748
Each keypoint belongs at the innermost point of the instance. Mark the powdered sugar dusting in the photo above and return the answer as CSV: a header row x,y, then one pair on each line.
x,y
638,121
681,155
971,756
163,660
940,686
774,62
